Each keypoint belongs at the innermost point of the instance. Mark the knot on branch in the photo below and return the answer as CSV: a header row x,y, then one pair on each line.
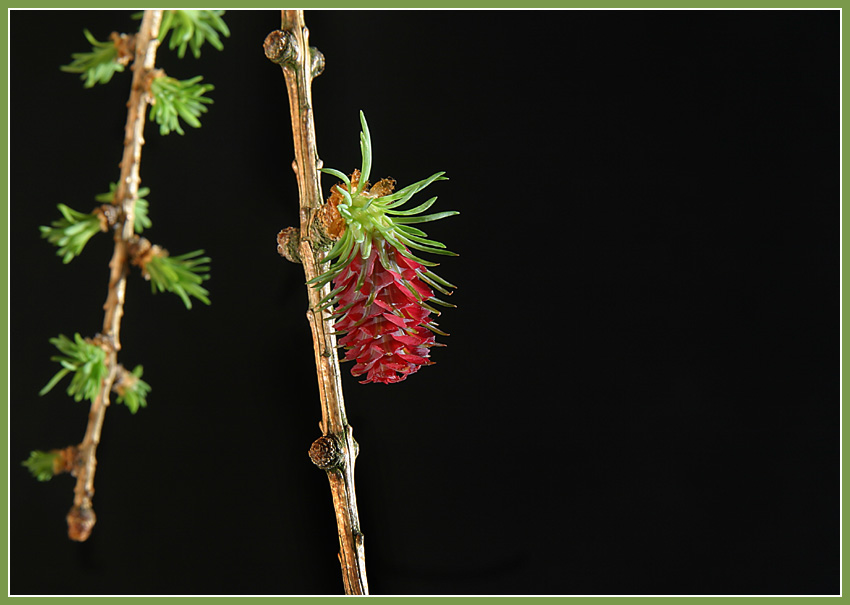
x,y
80,520
288,243
281,47
326,453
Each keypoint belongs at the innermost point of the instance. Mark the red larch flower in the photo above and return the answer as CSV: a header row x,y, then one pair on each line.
x,y
382,293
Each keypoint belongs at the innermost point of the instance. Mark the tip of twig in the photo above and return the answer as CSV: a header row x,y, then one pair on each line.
x,y
80,523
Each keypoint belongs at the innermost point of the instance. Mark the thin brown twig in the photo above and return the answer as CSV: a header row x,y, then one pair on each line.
x,y
336,450
81,517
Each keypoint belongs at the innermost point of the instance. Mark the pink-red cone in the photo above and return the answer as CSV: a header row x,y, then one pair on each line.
x,y
387,327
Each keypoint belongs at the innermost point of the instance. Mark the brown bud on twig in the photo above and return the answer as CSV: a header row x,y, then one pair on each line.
x,y
317,62
281,47
124,381
125,45
104,341
65,460
80,520
326,452
288,242
141,251
152,75
108,215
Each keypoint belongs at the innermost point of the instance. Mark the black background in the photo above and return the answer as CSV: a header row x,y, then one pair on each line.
x,y
640,393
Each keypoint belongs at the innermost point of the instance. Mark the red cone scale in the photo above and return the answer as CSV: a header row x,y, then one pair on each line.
x,y
387,327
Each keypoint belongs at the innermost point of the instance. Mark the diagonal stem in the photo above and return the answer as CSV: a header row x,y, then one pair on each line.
x,y
336,450
81,517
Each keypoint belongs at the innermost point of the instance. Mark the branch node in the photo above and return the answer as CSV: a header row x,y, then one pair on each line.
x,y
125,380
146,84
125,45
107,215
66,461
281,47
104,341
140,251
326,453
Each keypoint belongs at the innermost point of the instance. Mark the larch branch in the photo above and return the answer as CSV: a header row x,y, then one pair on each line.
x,y
81,517
336,450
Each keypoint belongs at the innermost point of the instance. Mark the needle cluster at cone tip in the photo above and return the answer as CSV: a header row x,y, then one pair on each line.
x,y
382,293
